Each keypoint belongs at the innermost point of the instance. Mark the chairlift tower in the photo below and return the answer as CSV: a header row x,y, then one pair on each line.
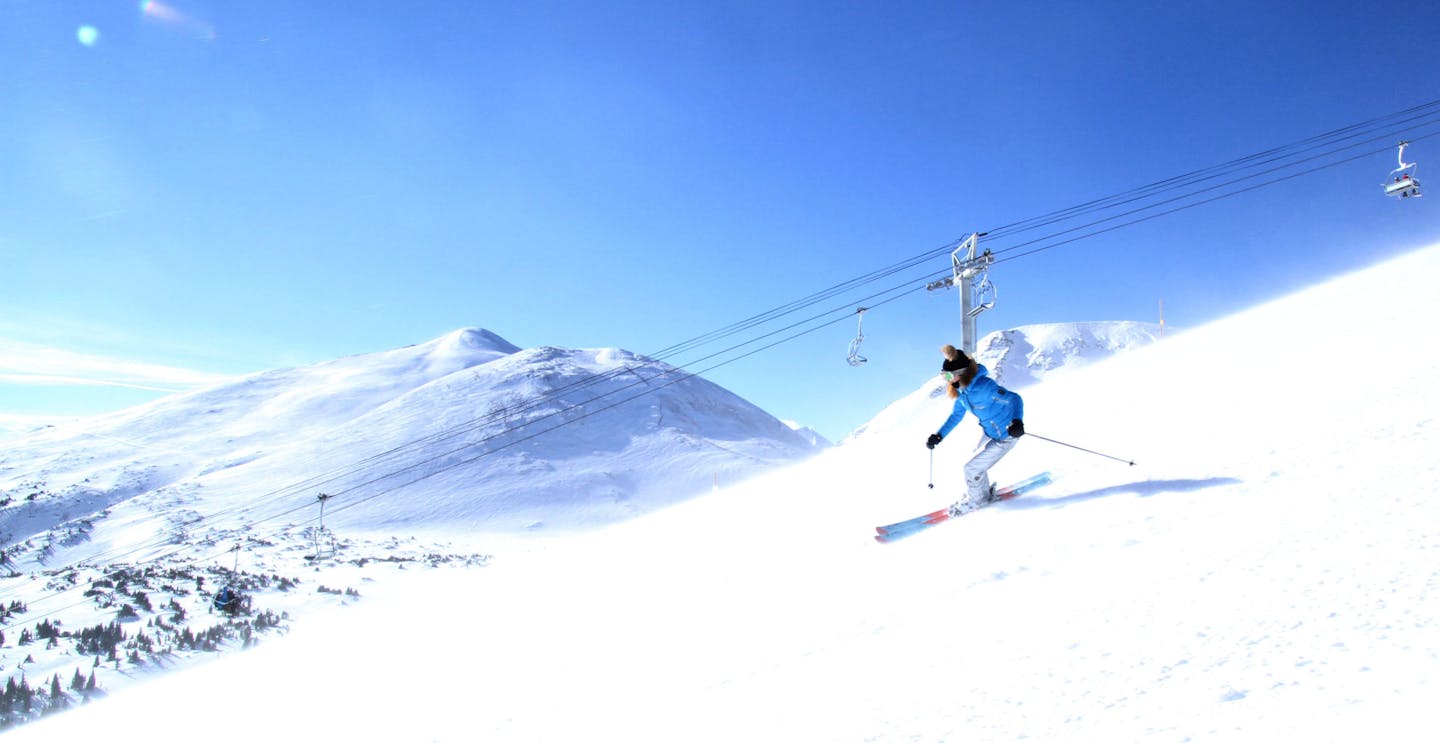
x,y
971,273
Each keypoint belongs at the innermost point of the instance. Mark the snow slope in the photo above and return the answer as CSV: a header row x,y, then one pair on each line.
x,y
1266,571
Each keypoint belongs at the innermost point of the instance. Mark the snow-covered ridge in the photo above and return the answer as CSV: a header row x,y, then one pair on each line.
x,y
1029,354
1019,358
439,434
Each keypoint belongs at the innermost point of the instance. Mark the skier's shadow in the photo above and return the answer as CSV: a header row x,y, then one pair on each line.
x,y
1144,489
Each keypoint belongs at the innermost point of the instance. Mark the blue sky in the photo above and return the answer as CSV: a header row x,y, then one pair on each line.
x,y
198,189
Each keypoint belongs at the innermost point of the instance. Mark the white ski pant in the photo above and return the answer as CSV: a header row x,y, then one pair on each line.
x,y
977,470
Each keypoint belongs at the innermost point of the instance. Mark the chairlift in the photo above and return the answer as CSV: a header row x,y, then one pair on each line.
x,y
229,600
322,539
854,357
1404,184
982,296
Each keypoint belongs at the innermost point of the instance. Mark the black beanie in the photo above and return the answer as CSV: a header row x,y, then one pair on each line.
x,y
960,362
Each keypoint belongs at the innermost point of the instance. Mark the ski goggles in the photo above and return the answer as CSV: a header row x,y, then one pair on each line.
x,y
951,376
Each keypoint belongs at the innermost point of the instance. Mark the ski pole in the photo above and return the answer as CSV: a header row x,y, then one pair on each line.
x,y
1072,446
932,470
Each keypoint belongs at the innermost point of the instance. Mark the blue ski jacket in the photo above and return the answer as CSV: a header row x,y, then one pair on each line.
x,y
994,405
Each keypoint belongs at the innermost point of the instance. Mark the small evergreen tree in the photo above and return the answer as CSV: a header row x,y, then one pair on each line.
x,y
45,630
57,697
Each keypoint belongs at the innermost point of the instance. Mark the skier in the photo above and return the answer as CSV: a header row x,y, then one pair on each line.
x,y
1000,411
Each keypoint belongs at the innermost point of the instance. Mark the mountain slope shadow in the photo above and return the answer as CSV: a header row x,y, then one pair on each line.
x,y
1143,488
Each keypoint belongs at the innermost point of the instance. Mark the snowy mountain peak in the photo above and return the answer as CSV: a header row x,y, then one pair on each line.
x,y
1026,355
456,350
474,340
1018,358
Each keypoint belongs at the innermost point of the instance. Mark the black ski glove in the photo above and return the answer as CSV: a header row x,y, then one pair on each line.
x,y
1016,429
934,439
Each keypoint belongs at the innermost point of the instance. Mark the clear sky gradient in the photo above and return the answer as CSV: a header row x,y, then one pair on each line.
x,y
195,189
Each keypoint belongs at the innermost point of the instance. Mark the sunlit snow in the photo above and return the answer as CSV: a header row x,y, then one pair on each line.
x,y
1267,571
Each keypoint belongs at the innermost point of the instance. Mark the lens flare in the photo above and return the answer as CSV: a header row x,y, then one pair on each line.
x,y
87,35
162,13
